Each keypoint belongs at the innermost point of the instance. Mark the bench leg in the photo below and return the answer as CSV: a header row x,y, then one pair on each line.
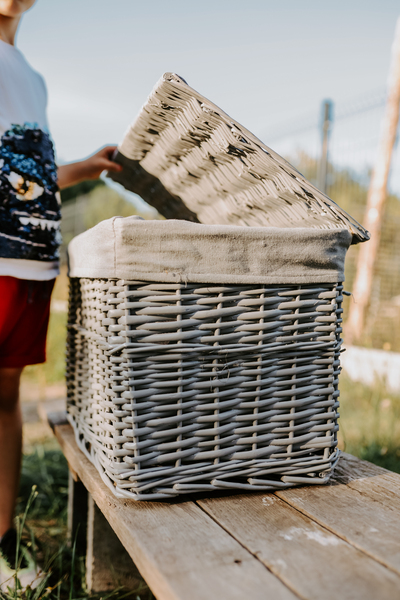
x,y
108,565
77,513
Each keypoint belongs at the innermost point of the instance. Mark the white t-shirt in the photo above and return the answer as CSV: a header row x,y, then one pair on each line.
x,y
29,199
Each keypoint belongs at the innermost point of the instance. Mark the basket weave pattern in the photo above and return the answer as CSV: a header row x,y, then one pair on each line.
x,y
184,149
176,388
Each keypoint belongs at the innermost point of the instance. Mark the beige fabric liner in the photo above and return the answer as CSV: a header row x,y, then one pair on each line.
x,y
179,251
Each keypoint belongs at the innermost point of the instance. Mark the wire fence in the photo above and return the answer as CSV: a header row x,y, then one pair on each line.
x,y
353,141
352,149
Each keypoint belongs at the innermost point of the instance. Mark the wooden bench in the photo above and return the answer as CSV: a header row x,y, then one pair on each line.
x,y
336,541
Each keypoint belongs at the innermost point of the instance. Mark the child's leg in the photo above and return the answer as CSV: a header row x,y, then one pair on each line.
x,y
24,316
10,444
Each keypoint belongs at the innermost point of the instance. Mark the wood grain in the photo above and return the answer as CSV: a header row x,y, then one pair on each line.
x,y
309,559
312,542
178,549
364,512
108,565
379,484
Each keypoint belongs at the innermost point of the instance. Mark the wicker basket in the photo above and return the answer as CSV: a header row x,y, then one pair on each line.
x,y
205,357
177,383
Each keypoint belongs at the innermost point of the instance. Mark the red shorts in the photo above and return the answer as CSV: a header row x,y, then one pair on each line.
x,y
24,317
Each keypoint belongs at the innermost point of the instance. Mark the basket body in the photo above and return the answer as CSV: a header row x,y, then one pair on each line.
x,y
205,356
188,387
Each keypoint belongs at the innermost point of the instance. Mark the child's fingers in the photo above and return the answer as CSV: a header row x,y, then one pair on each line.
x,y
102,161
108,152
113,166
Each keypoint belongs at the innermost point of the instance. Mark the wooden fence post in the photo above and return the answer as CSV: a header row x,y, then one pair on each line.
x,y
376,199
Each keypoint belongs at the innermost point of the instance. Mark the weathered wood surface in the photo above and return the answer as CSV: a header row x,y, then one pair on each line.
x,y
180,552
311,560
379,484
361,512
312,542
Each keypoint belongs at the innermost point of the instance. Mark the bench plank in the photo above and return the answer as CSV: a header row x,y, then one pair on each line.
x,y
308,558
360,512
379,484
178,549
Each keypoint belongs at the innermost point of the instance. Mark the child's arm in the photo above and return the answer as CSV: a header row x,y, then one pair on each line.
x,y
90,168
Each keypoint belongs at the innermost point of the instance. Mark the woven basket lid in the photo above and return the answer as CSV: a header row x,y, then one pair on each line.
x,y
190,160
173,251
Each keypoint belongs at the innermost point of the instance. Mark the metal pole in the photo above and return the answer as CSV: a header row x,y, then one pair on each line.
x,y
327,114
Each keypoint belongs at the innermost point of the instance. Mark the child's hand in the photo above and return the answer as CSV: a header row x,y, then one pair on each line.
x,y
99,162
90,168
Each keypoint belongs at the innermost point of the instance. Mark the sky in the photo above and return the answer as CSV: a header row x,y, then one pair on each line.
x,y
266,63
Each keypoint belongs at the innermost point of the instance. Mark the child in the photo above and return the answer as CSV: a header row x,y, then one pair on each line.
x,y
29,241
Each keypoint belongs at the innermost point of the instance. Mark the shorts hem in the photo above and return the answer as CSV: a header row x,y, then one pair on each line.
x,y
20,361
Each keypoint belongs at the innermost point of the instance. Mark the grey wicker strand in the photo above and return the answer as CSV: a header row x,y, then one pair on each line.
x,y
177,388
189,159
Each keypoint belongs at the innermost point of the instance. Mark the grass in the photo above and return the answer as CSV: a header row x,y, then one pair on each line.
x,y
370,423
45,471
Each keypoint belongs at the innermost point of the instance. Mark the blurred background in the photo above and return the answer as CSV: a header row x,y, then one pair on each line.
x,y
287,71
